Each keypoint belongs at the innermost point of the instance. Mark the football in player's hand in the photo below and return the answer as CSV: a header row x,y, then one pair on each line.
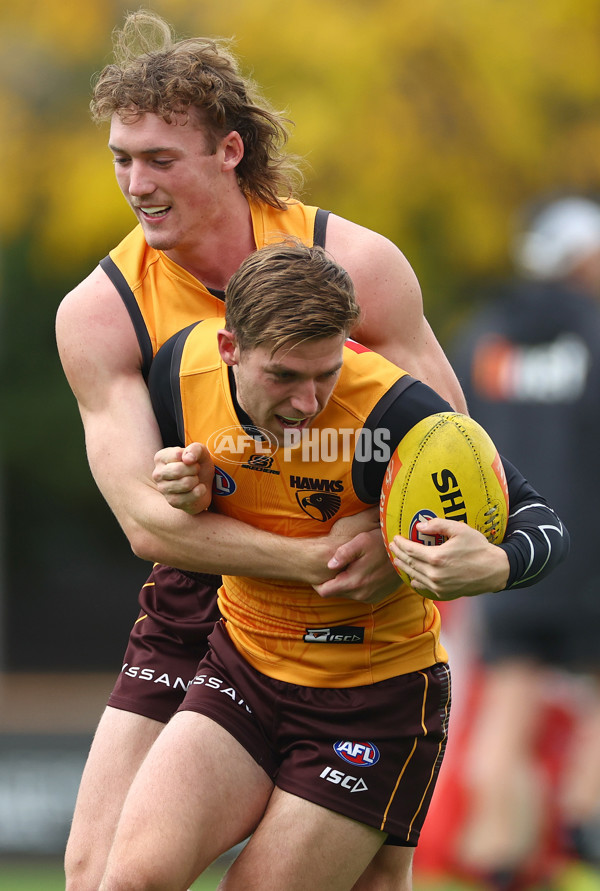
x,y
446,466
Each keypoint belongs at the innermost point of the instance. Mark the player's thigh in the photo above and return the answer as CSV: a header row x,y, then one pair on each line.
x,y
300,845
197,794
120,744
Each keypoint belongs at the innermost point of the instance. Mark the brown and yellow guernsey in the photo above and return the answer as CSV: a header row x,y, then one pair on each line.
x,y
163,298
286,630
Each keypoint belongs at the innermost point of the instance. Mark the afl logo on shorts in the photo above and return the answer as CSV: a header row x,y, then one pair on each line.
x,y
359,754
416,535
223,484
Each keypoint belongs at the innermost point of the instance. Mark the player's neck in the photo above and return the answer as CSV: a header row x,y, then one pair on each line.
x,y
215,256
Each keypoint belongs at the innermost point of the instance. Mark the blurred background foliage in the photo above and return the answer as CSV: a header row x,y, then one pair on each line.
x,y
432,122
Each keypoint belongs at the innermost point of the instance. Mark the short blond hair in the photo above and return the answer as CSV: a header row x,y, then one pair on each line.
x,y
286,293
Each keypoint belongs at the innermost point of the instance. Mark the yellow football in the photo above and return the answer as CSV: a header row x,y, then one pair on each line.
x,y
446,466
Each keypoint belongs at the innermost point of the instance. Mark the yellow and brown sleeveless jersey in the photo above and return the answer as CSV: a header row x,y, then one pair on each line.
x,y
163,298
286,630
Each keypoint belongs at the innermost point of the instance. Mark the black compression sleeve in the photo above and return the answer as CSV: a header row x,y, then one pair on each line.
x,y
535,540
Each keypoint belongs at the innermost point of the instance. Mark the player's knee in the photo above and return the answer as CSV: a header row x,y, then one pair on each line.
x,y
123,879
82,873
137,876
390,870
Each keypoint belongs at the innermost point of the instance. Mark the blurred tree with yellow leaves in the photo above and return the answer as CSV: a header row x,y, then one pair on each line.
x,y
432,122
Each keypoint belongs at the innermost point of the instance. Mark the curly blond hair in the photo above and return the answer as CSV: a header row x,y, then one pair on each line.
x,y
198,80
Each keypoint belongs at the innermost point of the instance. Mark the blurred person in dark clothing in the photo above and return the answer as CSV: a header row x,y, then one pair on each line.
x,y
529,363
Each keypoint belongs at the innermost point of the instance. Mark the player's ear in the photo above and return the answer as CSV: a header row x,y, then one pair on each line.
x,y
233,150
228,348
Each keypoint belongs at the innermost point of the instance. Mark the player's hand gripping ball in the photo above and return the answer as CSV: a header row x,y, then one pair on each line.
x,y
446,466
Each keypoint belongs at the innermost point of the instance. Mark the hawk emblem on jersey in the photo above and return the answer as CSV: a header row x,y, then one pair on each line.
x,y
319,506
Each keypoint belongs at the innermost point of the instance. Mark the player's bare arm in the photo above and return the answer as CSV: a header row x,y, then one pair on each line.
x,y
392,321
364,570
366,574
100,355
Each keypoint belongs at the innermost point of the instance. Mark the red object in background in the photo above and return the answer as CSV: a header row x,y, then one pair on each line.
x,y
436,853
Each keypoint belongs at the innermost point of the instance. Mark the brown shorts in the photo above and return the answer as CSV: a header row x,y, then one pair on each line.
x,y
371,753
167,641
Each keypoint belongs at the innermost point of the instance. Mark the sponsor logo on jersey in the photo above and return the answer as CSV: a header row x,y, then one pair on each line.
x,y
339,634
223,484
260,462
353,784
362,754
423,537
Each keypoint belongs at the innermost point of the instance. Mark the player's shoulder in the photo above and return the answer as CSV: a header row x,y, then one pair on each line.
x,y
358,357
374,262
345,236
367,373
94,315
352,244
194,349
98,284
95,293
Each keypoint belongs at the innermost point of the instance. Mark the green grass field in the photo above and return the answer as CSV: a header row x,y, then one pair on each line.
x,y
34,877
49,876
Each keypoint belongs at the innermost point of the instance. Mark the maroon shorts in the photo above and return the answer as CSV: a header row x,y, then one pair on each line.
x,y
167,641
371,753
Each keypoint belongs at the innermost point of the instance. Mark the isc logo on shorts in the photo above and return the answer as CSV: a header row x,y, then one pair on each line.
x,y
352,784
361,754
